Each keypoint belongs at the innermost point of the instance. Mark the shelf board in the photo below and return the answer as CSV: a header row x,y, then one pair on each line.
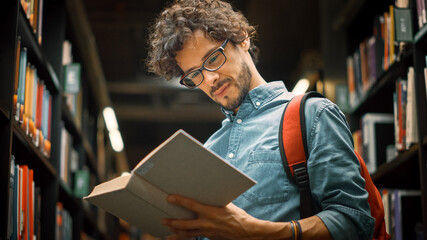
x,y
29,40
4,113
40,161
402,168
421,34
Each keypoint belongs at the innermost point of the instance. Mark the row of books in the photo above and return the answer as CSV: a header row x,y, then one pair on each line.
x,y
74,176
405,118
421,12
382,135
402,213
71,83
32,102
64,223
377,53
24,203
34,12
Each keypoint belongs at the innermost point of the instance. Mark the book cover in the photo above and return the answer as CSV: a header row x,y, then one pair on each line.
x,y
402,86
72,78
377,134
180,165
407,207
411,111
403,21
81,182
21,84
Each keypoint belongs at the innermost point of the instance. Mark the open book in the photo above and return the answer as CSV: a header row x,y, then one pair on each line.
x,y
180,165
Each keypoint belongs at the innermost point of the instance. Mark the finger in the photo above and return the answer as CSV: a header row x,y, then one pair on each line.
x,y
183,224
187,203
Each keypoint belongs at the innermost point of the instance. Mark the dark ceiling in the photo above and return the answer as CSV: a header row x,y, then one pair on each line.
x,y
150,109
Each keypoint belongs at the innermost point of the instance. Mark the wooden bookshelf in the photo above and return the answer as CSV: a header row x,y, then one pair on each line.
x,y
46,58
408,170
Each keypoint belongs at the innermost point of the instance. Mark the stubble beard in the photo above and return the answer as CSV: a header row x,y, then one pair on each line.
x,y
242,84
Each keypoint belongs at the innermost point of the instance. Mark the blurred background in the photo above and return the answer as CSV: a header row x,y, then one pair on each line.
x,y
149,109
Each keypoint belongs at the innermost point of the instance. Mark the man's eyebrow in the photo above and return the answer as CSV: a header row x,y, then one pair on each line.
x,y
203,59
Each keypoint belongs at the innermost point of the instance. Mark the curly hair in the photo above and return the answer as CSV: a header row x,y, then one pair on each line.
x,y
178,22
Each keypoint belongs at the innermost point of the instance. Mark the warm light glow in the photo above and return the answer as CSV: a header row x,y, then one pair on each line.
x,y
113,129
116,140
301,86
110,119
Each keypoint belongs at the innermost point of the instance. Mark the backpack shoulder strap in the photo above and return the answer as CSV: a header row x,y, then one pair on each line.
x,y
293,149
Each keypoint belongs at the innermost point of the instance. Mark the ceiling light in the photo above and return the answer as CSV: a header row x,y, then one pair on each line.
x,y
301,86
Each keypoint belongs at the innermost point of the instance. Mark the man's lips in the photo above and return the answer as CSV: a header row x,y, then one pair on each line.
x,y
221,90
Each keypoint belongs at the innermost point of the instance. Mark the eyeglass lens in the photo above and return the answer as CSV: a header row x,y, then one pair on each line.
x,y
212,63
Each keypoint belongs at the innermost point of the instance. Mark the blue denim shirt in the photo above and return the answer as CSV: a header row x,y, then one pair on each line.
x,y
249,141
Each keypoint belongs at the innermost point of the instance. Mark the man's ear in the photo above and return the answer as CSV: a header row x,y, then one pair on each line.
x,y
246,43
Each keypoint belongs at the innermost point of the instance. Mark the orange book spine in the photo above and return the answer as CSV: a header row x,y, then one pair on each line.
x,y
31,203
24,208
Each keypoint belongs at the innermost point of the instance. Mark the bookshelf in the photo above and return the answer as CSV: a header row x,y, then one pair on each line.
x,y
27,146
408,170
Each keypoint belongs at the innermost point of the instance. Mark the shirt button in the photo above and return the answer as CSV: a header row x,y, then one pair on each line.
x,y
257,103
230,155
239,121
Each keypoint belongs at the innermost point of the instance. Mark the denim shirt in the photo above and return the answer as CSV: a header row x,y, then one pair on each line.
x,y
249,141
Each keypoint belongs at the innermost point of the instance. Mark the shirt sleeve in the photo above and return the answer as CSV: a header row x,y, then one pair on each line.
x,y
338,188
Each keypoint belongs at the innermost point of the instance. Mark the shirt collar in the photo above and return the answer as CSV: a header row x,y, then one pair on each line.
x,y
261,95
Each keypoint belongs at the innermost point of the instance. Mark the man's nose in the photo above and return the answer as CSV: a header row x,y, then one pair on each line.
x,y
210,77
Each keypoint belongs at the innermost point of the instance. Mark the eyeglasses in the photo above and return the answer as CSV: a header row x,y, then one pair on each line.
x,y
213,62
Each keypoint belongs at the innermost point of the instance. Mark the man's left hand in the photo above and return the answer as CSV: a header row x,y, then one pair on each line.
x,y
229,222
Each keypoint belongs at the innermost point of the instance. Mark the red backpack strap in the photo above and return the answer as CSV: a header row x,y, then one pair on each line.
x,y
292,137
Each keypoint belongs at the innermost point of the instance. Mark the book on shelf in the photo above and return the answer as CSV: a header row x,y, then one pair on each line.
x,y
16,77
421,12
66,156
402,212
411,111
377,134
71,82
33,103
81,182
34,13
401,93
12,191
180,165
404,28
64,222
25,203
392,48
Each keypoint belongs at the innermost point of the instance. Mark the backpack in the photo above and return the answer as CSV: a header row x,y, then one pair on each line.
x,y
292,137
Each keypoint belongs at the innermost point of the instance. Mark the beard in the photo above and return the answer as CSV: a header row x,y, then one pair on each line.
x,y
242,84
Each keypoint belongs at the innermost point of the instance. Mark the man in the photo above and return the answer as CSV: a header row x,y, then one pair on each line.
x,y
210,46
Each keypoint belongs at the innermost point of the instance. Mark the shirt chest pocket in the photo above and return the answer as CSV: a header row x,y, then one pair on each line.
x,y
272,184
